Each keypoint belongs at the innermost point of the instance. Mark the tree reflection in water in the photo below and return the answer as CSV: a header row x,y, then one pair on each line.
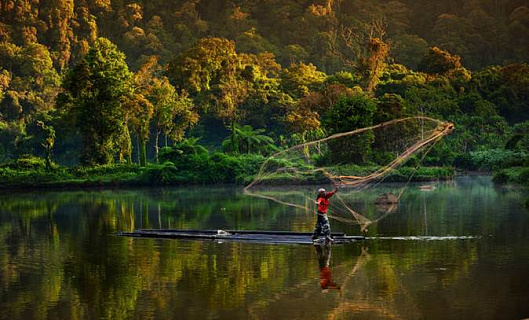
x,y
60,258
354,299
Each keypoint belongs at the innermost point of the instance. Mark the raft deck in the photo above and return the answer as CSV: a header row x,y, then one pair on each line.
x,y
256,236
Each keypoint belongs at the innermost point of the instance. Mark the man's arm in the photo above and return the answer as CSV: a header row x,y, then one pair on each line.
x,y
330,194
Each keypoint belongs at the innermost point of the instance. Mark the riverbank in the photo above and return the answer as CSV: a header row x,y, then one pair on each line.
x,y
512,175
167,174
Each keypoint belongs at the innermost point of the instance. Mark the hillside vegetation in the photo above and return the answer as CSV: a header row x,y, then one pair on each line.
x,y
96,83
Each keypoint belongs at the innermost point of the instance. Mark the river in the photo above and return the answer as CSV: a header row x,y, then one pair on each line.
x,y
460,251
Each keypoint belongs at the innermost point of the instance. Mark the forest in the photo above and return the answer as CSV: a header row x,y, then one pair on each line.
x,y
99,92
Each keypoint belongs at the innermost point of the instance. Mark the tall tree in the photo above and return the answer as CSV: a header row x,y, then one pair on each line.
x,y
211,72
94,91
139,112
363,49
49,141
172,113
348,114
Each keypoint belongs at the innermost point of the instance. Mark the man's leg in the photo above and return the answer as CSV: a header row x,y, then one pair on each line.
x,y
317,228
326,228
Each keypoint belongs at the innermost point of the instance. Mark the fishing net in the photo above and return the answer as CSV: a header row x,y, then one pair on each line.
x,y
353,161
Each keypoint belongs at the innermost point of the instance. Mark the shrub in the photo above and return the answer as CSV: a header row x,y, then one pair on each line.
x,y
101,170
518,175
10,176
500,177
26,162
490,159
160,174
199,166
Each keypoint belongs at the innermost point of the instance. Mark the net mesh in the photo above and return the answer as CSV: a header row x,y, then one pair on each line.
x,y
353,161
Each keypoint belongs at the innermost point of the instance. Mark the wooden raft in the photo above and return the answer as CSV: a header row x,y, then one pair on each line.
x,y
256,236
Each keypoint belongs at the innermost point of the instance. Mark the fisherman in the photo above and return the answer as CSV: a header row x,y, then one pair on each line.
x,y
322,224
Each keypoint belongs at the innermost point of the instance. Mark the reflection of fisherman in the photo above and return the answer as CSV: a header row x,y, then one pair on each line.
x,y
322,224
324,258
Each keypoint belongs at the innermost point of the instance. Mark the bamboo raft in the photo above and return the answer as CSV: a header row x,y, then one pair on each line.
x,y
255,236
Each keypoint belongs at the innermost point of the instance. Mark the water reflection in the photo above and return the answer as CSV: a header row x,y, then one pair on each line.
x,y
323,251
60,258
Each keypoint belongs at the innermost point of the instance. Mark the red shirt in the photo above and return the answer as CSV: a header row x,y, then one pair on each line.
x,y
323,202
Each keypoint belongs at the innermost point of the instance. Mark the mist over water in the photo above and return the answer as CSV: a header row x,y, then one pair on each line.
x,y
460,251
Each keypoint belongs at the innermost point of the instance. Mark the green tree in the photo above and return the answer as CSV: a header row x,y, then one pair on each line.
x,y
28,82
252,42
520,137
49,142
265,103
249,140
300,79
139,112
211,72
172,113
305,115
348,114
507,88
408,49
391,106
203,66
95,91
438,61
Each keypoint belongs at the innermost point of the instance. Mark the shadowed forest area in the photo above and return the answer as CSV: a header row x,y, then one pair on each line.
x,y
174,92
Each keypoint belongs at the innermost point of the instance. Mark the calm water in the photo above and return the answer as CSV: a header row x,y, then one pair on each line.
x,y
60,258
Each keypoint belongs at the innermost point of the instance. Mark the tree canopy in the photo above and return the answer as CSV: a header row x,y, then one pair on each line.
x,y
95,92
117,81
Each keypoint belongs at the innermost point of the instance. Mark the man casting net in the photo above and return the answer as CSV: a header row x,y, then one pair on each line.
x,y
353,161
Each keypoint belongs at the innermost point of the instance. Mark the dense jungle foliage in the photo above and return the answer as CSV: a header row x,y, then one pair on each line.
x,y
141,90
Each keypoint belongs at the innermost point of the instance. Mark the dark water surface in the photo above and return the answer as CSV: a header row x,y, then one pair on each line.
x,y
60,258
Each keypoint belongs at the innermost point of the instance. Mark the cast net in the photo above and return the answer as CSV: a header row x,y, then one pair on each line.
x,y
353,161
